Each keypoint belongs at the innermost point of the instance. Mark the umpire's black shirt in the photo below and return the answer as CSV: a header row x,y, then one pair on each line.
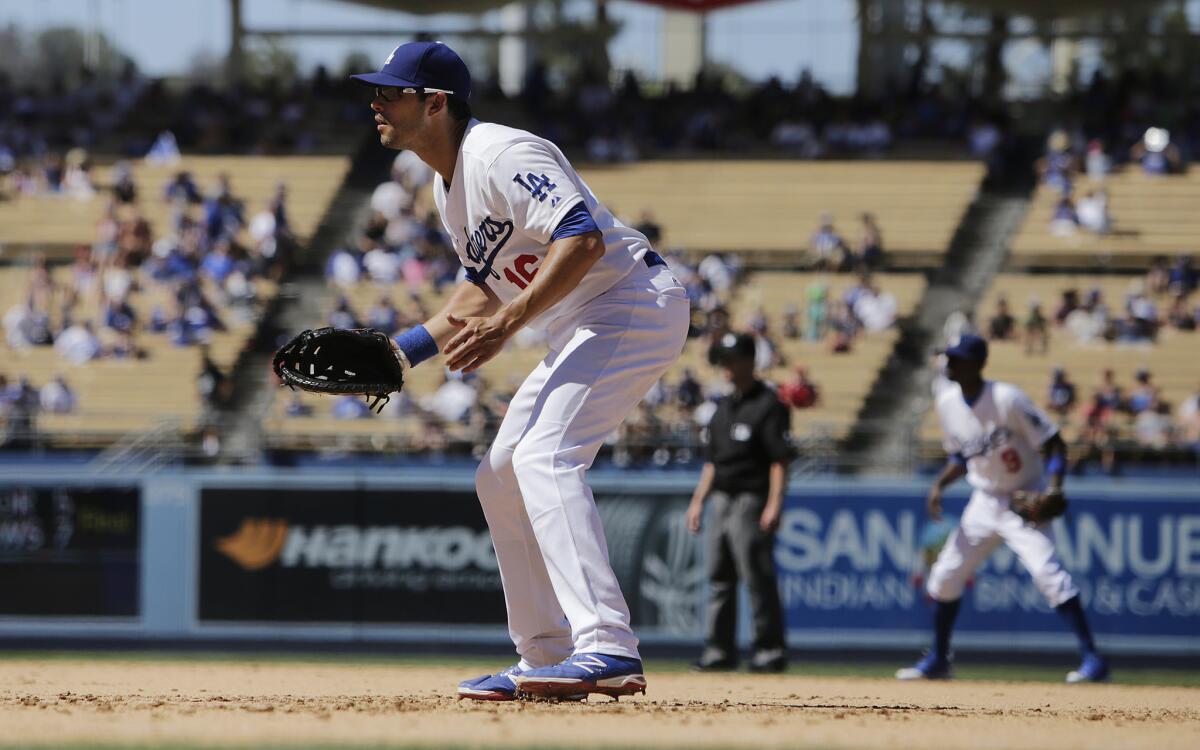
x,y
747,434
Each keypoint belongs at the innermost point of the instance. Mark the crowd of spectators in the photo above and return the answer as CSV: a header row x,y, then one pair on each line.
x,y
1112,417
1131,123
194,279
21,402
830,251
802,119
1165,298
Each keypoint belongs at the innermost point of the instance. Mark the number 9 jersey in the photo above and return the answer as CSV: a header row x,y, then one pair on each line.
x,y
998,437
510,191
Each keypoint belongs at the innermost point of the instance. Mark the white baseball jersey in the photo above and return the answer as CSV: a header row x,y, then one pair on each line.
x,y
1000,436
510,191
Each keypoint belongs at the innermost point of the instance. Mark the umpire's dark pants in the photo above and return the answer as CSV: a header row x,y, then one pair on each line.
x,y
739,549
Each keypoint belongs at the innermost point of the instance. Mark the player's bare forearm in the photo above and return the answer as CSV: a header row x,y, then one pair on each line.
x,y
704,486
467,301
567,261
951,473
773,511
776,484
1055,452
695,512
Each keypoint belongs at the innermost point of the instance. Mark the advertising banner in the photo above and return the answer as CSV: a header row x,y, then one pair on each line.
x,y
69,551
851,561
346,556
857,565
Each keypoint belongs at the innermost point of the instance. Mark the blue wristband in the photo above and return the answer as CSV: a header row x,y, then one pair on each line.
x,y
417,345
1055,464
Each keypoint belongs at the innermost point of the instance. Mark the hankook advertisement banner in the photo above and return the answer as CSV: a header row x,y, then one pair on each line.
x,y
368,556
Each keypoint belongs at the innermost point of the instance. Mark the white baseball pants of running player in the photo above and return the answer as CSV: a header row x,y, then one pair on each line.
x,y
986,522
559,587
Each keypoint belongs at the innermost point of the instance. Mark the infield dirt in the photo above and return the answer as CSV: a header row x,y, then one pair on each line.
x,y
280,704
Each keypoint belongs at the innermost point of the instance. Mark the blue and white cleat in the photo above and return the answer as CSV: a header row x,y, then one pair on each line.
x,y
1093,669
931,667
491,687
580,675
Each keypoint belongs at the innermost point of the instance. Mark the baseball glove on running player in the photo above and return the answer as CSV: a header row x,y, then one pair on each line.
x,y
342,361
1039,507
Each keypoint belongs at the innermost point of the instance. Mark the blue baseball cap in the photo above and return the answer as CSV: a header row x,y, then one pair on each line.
x,y
423,65
969,346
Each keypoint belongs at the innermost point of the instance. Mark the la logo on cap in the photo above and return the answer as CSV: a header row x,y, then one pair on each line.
x,y
389,60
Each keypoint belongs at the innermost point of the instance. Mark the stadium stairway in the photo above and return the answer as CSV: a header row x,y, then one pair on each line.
x,y
884,437
241,419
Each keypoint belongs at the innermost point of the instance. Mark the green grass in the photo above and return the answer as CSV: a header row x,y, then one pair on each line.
x,y
965,669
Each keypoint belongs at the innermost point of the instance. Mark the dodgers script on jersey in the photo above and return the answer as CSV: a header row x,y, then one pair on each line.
x,y
510,191
1000,436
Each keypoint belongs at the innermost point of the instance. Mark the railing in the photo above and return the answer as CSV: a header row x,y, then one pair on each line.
x,y
819,446
143,452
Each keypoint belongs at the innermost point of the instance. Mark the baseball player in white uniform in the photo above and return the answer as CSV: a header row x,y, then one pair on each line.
x,y
538,250
1002,443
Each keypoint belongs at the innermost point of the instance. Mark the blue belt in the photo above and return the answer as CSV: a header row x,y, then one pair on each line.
x,y
653,259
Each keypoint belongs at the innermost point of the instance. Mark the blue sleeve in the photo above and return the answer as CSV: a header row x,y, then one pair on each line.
x,y
959,459
577,221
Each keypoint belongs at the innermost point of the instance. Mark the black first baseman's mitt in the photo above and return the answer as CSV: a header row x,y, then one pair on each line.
x,y
1039,507
339,361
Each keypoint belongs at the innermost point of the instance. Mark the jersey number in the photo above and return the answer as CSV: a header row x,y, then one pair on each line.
x,y
1011,459
538,187
523,275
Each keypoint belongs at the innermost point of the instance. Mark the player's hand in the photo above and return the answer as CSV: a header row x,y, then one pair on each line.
x,y
769,520
695,513
477,341
933,503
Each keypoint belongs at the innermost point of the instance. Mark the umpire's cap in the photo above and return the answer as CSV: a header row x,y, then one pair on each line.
x,y
431,66
735,346
969,347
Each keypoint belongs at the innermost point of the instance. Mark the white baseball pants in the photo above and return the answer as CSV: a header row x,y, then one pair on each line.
x,y
987,521
559,587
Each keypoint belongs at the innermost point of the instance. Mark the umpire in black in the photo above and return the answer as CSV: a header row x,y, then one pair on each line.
x,y
744,477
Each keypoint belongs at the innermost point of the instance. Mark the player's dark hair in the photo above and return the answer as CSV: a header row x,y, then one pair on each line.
x,y
459,109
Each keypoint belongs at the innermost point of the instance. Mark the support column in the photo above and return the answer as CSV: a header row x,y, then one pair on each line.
x,y
235,63
682,45
514,52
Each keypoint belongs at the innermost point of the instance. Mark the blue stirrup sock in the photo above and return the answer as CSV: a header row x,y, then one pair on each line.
x,y
417,344
944,615
1072,613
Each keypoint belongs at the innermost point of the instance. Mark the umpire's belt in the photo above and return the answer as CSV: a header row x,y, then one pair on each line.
x,y
653,259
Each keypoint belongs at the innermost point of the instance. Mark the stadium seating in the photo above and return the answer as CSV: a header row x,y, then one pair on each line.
x,y
117,396
55,224
768,210
1151,216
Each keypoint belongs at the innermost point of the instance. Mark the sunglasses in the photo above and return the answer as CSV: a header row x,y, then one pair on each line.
x,y
393,93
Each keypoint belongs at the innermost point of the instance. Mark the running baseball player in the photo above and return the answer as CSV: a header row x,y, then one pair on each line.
x,y
1004,446
538,250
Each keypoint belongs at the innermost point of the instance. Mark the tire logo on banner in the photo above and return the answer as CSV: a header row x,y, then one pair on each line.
x,y
260,542
256,544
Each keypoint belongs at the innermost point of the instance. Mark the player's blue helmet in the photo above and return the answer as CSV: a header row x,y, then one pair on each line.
x,y
431,66
970,347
